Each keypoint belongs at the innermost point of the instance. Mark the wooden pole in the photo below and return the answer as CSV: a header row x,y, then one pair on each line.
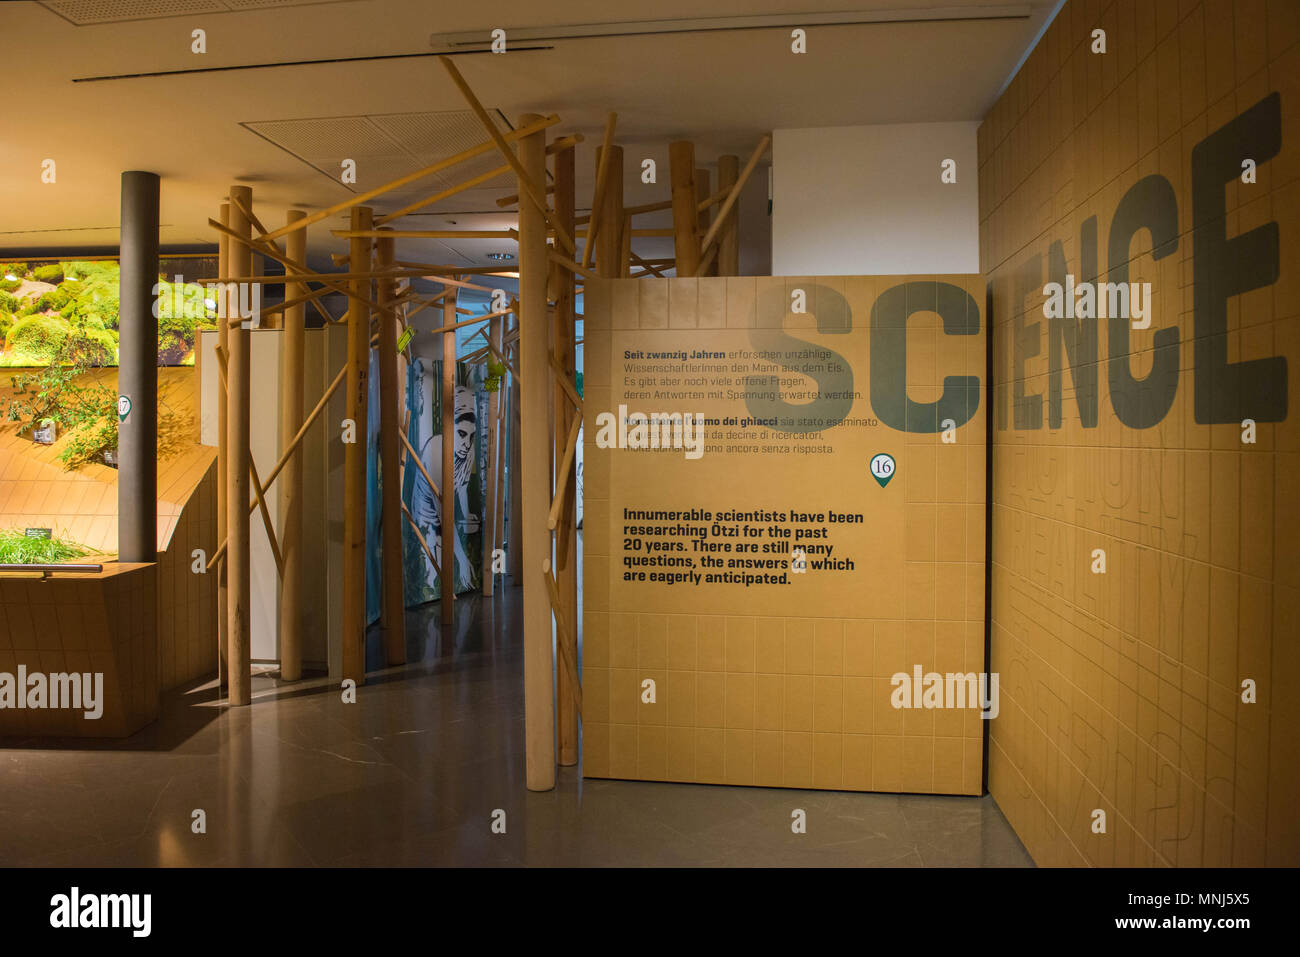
x,y
534,189
239,570
290,491
448,497
515,553
602,175
535,468
729,235
223,344
730,201
565,416
609,230
503,454
354,458
686,224
702,206
490,515
390,482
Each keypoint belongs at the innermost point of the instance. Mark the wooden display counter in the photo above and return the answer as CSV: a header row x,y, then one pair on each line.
x,y
82,625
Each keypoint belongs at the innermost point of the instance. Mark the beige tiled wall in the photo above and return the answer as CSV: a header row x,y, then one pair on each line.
x,y
1121,692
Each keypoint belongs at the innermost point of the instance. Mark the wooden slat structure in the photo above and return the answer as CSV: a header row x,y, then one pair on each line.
x,y
531,481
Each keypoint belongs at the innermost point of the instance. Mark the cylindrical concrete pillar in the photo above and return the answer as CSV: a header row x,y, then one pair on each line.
x,y
137,372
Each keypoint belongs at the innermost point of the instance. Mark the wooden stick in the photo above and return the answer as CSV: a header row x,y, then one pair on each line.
x,y
354,455
223,338
448,496
448,327
535,473
527,185
292,382
606,230
504,361
450,161
565,636
423,544
562,359
648,264
238,556
702,208
429,234
393,581
570,265
686,234
649,208
566,384
488,577
730,201
728,237
602,174
415,456
260,495
625,248
282,259
562,476
513,198
707,261
289,449
642,233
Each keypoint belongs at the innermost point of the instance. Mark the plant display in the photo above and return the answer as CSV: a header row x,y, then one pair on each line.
x,y
83,409
71,309
16,548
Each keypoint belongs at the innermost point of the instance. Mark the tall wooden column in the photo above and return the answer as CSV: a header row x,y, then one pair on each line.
x,y
390,482
535,471
223,344
609,240
292,373
686,229
354,456
515,531
239,568
566,562
728,261
448,405
490,515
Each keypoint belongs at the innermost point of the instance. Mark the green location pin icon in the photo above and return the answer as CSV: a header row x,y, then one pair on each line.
x,y
123,407
882,468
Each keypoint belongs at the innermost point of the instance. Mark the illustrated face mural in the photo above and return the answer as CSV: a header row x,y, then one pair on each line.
x,y
466,429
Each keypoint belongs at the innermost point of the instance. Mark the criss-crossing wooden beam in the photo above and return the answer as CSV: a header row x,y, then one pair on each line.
x,y
527,185
598,193
734,195
447,163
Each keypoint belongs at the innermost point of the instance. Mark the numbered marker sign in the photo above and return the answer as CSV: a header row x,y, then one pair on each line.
x,y
882,468
123,407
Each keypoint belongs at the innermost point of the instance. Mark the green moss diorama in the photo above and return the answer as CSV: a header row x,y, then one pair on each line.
x,y
16,548
69,310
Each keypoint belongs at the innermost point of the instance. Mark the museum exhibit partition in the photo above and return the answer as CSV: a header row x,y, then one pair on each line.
x,y
752,594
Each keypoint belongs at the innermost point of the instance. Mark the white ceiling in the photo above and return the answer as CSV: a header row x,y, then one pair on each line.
x,y
722,90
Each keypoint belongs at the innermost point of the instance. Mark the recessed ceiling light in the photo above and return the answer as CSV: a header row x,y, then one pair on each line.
x,y
500,257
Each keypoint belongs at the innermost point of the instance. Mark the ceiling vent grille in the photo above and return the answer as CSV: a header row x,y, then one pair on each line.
x,y
89,12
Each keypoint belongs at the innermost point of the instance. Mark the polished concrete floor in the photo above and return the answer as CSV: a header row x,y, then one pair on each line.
x,y
412,775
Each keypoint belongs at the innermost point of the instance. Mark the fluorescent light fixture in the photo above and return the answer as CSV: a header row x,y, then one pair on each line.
x,y
629,28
